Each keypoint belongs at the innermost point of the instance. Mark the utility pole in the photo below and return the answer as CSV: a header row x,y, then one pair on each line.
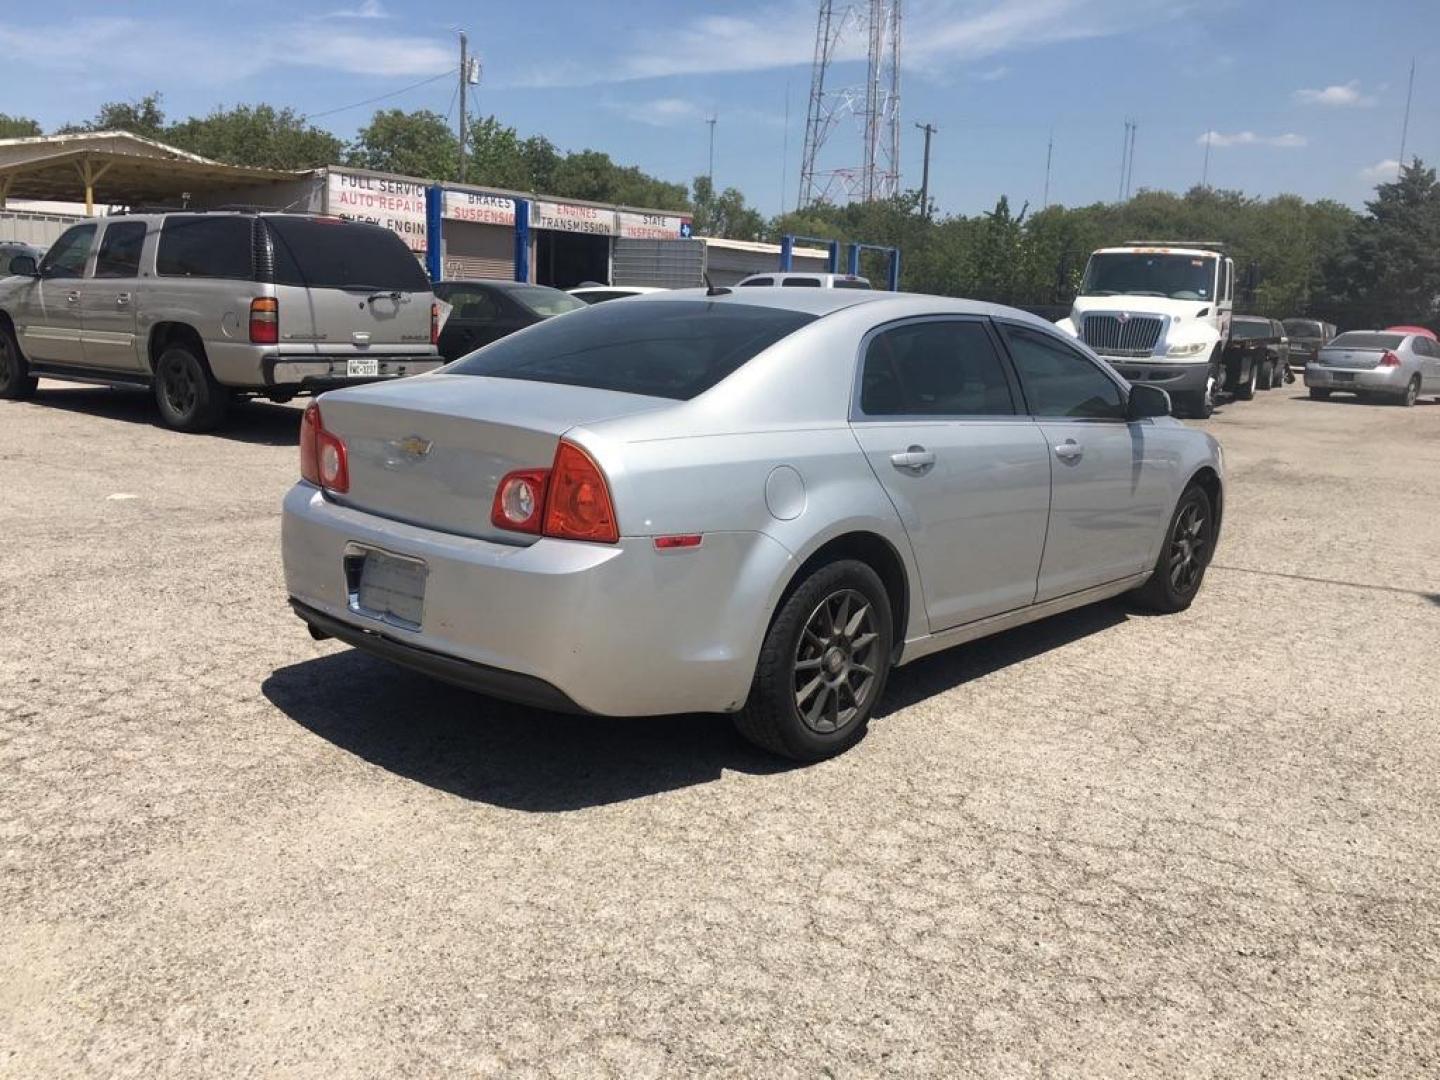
x,y
1130,168
711,122
1205,171
1124,156
1049,154
464,78
1127,158
1405,127
929,129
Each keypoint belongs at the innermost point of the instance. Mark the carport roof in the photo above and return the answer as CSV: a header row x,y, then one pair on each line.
x,y
115,167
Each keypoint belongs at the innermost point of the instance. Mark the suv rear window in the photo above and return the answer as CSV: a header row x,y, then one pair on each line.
x,y
670,349
200,245
330,254
1303,328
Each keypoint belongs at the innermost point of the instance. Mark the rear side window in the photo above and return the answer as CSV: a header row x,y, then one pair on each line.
x,y
195,245
119,254
842,283
940,368
759,281
324,253
801,283
1060,381
670,349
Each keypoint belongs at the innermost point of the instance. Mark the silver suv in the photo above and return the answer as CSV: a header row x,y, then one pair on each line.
x,y
203,307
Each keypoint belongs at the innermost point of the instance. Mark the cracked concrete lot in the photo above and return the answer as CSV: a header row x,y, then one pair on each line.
x,y
1105,845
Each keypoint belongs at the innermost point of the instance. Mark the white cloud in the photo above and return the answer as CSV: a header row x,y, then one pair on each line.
x,y
1249,138
1343,96
991,74
659,112
1381,170
368,9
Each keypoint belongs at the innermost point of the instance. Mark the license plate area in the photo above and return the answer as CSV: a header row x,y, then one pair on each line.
x,y
1343,376
386,587
362,366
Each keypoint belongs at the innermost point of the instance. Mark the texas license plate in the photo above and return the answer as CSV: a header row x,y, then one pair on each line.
x,y
362,366
1343,376
392,588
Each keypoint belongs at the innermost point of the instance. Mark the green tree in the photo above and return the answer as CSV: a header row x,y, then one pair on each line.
x,y
418,144
724,213
17,127
257,135
143,116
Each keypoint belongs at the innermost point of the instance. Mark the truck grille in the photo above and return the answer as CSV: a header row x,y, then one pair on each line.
x,y
1135,336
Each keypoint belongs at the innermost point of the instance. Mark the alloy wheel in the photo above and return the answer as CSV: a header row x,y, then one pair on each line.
x,y
179,385
1412,391
835,664
1189,542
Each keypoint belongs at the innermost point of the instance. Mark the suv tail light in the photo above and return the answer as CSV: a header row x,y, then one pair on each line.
x,y
265,320
1389,359
568,501
323,460
434,323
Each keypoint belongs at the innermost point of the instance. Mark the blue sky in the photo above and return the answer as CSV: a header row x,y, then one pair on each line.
x,y
1303,96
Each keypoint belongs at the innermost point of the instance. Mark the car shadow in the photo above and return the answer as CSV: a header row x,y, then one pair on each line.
x,y
527,759
507,755
260,422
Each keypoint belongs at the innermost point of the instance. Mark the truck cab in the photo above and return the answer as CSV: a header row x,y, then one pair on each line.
x,y
1159,313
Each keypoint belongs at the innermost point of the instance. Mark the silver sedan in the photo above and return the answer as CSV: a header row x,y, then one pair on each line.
x,y
753,502
1387,365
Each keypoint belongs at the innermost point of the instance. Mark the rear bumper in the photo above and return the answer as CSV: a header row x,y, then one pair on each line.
x,y
1389,380
616,629
329,372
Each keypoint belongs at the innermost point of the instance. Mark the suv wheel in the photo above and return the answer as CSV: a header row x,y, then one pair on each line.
x,y
1180,567
16,382
1247,392
823,665
1268,380
189,397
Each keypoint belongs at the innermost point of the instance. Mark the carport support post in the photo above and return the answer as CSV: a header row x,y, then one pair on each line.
x,y
522,239
852,260
834,256
90,176
895,269
5,190
434,231
787,252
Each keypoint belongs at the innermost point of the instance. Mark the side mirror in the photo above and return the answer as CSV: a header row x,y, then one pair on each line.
x,y
24,266
1147,401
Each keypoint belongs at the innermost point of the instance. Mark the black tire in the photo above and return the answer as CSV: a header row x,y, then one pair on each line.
x,y
16,382
189,397
1268,379
1317,394
1184,556
848,593
1412,393
1247,392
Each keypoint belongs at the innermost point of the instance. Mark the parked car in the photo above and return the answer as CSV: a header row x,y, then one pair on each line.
x,y
752,502
806,281
1306,337
1258,355
9,249
598,294
1372,364
486,310
202,307
1423,331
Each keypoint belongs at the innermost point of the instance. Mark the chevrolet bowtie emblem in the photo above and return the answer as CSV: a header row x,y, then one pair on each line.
x,y
413,446
1124,316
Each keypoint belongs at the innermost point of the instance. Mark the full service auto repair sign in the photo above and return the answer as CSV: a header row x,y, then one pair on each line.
x,y
563,217
397,205
652,226
478,206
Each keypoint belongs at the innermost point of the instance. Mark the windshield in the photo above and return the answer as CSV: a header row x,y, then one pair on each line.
x,y
329,254
542,300
1242,328
1178,277
1362,339
1303,328
670,349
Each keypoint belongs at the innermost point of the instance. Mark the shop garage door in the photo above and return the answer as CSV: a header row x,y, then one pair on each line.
x,y
669,264
473,250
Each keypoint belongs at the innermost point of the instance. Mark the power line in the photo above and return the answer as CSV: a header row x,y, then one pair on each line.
x,y
380,97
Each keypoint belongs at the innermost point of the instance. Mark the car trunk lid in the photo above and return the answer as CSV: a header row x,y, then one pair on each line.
x,y
430,451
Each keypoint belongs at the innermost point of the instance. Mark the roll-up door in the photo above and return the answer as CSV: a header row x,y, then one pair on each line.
x,y
473,250
668,264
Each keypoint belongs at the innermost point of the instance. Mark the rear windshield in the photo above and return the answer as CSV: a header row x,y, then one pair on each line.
x,y
1241,329
670,349
1361,339
1303,328
544,301
329,254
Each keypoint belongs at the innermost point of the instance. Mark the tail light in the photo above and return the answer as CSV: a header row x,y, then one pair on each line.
x,y
323,460
434,323
265,320
1389,359
568,501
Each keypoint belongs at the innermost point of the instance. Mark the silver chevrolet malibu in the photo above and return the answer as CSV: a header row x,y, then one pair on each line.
x,y
753,502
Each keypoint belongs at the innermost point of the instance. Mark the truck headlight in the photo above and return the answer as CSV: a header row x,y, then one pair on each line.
x,y
1192,349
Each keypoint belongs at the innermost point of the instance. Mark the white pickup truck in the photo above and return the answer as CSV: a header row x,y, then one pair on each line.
x,y
1159,313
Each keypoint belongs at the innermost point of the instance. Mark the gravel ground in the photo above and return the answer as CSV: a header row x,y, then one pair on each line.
x,y
1104,845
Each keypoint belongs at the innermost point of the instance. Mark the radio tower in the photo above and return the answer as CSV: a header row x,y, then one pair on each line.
x,y
874,107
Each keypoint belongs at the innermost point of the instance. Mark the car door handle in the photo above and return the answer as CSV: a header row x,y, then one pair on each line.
x,y
915,460
72,298
122,299
1069,450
